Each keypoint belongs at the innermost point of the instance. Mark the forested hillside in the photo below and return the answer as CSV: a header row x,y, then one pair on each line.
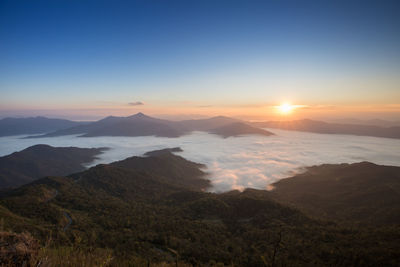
x,y
125,215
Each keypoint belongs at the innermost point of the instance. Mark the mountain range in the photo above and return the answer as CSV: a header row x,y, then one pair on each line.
x,y
374,122
143,125
36,125
321,127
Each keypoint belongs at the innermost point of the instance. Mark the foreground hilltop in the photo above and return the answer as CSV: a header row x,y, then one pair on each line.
x,y
361,192
153,210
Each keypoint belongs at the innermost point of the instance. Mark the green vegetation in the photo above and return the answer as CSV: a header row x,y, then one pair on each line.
x,y
361,192
125,215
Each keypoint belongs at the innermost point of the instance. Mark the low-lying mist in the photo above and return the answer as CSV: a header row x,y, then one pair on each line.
x,y
237,162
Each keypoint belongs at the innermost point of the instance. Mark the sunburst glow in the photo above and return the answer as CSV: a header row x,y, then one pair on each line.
x,y
285,108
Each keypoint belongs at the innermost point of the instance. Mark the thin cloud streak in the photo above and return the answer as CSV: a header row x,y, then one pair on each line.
x,y
137,103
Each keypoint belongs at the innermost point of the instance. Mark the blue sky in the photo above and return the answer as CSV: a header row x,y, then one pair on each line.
x,y
101,55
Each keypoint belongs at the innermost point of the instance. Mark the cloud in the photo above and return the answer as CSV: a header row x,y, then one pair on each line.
x,y
205,106
238,162
318,107
137,103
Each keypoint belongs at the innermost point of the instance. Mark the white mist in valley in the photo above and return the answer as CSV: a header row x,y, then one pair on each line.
x,y
237,162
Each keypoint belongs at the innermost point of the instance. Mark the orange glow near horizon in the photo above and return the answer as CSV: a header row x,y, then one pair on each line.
x,y
177,111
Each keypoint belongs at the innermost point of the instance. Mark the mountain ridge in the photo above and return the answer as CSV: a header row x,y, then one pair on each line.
x,y
308,125
239,129
33,125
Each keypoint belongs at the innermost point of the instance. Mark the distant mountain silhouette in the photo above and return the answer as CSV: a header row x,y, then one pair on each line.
x,y
38,161
207,124
372,122
143,125
363,192
135,125
332,128
238,129
138,125
36,125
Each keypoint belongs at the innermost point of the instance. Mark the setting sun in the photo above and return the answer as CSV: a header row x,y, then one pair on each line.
x,y
285,108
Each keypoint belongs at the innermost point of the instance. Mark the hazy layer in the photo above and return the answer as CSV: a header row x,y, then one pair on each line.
x,y
238,162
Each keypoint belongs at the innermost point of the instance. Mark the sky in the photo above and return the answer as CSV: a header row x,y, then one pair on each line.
x,y
88,59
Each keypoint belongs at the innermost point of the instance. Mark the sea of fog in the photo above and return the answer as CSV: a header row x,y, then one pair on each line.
x,y
237,162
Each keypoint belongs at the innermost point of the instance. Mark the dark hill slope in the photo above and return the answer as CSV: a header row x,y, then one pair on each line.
x,y
36,125
42,160
173,169
122,183
332,128
361,192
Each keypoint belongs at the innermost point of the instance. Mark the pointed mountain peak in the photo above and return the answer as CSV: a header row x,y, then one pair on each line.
x,y
139,115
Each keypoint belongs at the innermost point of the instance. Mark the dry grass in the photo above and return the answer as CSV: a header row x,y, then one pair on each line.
x,y
24,250
18,249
